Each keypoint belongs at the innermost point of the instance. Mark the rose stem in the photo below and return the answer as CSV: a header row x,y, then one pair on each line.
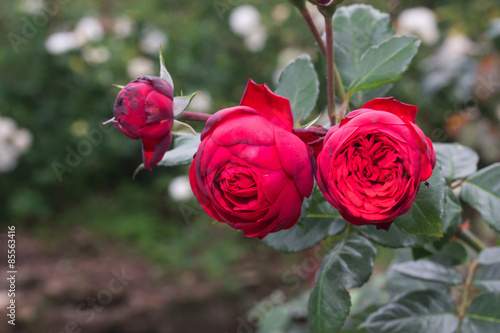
x,y
314,30
470,239
195,116
330,73
467,286
321,44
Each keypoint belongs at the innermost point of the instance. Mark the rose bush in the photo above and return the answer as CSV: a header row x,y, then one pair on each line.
x,y
372,163
144,110
250,170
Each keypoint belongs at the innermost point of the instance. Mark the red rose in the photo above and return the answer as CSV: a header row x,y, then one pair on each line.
x,y
372,163
250,170
144,110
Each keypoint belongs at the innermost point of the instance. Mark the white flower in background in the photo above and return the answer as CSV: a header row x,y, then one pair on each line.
x,y
244,19
95,55
202,102
61,42
151,41
123,26
32,6
140,66
180,189
256,40
13,143
88,29
8,157
7,128
419,21
458,46
280,13
22,139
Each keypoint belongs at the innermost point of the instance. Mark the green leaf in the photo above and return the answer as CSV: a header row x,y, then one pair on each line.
x,y
483,315
299,83
298,239
394,238
164,74
182,153
397,283
429,270
451,220
363,96
482,191
489,256
424,216
182,128
357,28
185,147
456,161
182,102
348,265
426,311
384,63
451,254
318,222
487,278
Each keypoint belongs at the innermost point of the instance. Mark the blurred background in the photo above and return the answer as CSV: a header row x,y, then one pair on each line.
x,y
100,252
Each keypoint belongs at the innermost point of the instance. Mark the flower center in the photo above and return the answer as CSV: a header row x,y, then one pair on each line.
x,y
370,173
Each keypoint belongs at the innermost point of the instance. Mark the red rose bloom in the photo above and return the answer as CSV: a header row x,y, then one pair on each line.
x,y
144,110
372,163
250,170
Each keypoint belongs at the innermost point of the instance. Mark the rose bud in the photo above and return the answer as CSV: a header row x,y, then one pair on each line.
x,y
372,163
250,170
144,110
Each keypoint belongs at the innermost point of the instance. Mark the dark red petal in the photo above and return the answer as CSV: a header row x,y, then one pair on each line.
x,y
153,150
202,199
224,114
384,226
269,105
295,159
389,104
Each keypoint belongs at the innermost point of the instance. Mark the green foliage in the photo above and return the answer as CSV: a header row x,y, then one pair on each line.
x,y
367,52
318,221
482,191
428,311
429,270
348,265
424,216
299,83
487,278
456,160
483,315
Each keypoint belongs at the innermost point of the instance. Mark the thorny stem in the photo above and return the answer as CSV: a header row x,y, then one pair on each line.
x,y
330,73
467,289
470,239
195,116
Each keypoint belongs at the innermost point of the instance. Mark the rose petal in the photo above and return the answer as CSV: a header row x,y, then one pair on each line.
x,y
269,105
153,150
391,105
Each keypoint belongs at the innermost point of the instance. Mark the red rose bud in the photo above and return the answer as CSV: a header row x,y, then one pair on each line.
x,y
372,163
144,110
250,170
